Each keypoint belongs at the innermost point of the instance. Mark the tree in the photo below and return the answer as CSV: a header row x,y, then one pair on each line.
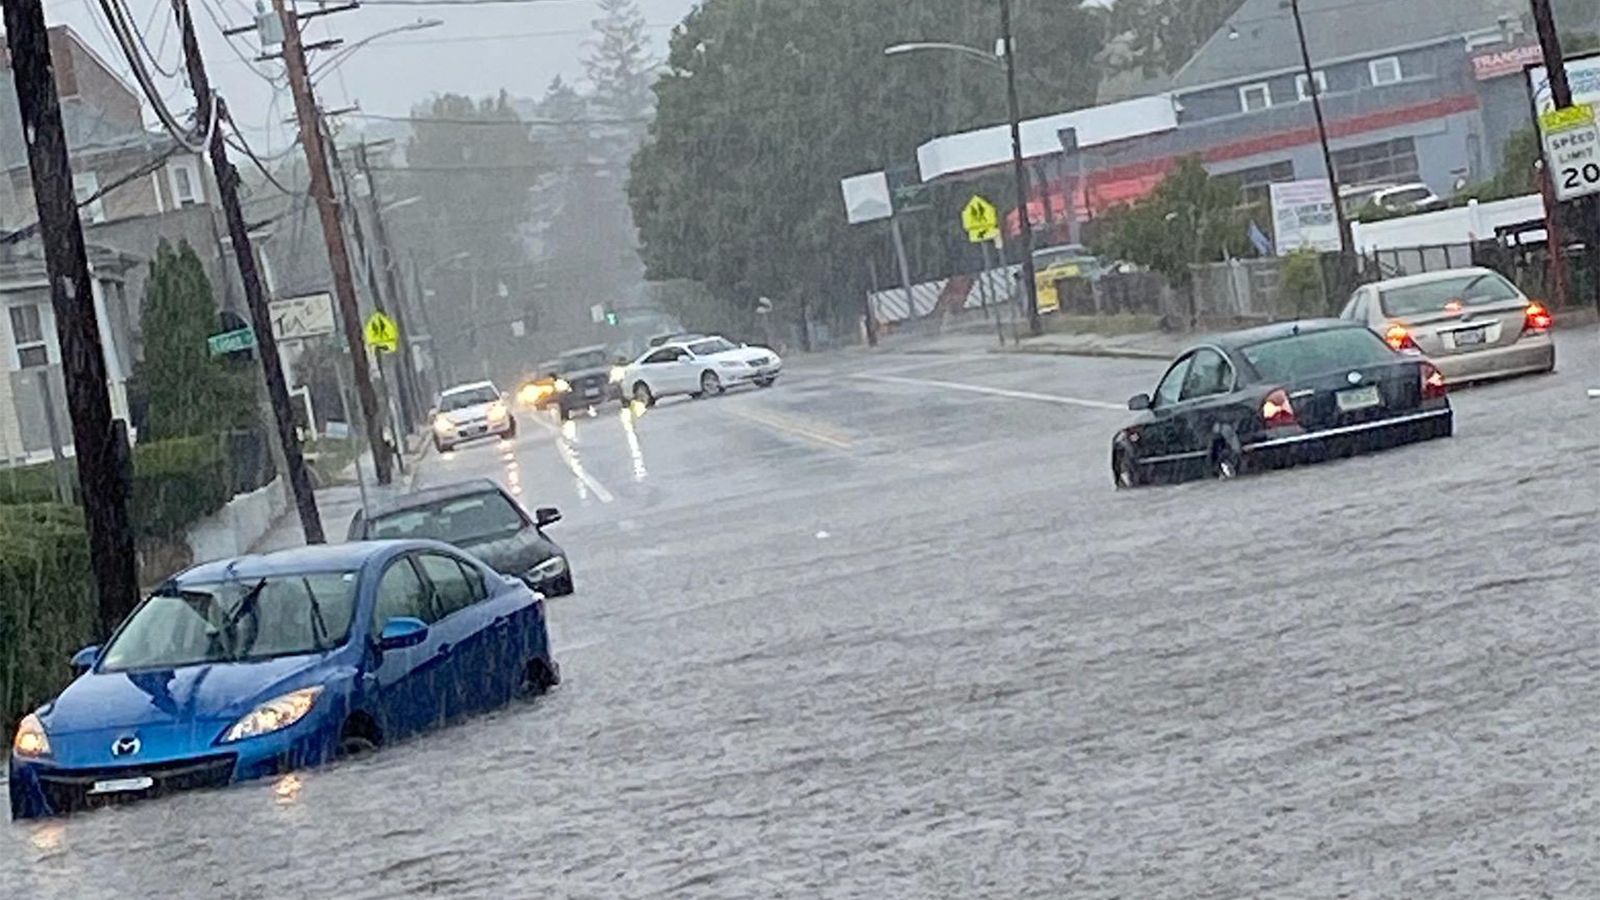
x,y
618,64
472,162
189,391
1300,283
1159,36
1517,176
1189,218
765,105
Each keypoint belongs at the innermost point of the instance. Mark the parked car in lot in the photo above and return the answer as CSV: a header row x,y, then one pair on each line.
x,y
471,411
586,378
479,517
1411,197
1472,323
1279,394
245,668
699,367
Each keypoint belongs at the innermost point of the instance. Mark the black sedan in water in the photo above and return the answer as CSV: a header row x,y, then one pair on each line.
x,y
481,518
1275,395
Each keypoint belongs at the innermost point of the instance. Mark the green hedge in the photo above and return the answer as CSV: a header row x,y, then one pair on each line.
x,y
175,484
47,608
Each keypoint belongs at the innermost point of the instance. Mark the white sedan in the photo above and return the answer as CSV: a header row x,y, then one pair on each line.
x,y
697,368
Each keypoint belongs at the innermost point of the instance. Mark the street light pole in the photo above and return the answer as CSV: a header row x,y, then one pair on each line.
x,y
1019,172
1345,240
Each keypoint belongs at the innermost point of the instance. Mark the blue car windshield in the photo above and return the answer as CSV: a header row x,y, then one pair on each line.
x,y
282,615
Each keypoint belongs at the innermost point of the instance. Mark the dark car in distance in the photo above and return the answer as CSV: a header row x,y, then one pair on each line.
x,y
1278,395
477,516
585,380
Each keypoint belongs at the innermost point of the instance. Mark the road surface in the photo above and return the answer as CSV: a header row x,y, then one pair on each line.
x,y
886,631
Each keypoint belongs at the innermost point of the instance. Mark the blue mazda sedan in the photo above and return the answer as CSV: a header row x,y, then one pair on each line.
x,y
245,668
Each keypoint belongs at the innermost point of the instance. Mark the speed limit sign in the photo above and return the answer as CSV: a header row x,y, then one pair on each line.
x,y
1572,150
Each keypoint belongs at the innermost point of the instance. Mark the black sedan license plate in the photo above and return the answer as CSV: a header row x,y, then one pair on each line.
x,y
1470,338
1358,398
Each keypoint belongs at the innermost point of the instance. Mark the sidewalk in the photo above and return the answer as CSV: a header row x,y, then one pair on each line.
x,y
338,503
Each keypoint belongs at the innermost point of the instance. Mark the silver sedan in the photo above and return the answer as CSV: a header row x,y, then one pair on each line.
x,y
1472,323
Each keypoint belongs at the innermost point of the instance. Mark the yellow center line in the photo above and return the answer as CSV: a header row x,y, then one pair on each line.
x,y
789,426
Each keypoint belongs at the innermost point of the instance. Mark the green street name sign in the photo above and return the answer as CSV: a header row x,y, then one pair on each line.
x,y
231,341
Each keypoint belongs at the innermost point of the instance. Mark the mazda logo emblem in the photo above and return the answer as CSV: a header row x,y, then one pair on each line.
x,y
127,745
1353,378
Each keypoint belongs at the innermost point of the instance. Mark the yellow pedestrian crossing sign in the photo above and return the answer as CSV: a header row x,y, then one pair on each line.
x,y
383,335
981,220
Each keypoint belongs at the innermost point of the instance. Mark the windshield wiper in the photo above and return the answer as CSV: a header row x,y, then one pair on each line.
x,y
247,606
319,627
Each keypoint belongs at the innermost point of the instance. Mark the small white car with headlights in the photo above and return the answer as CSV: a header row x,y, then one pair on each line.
x,y
471,411
699,367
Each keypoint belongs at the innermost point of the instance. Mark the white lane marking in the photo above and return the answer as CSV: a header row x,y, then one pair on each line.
x,y
569,455
996,392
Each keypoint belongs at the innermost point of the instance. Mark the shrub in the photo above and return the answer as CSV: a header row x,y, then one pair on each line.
x,y
47,605
1301,284
175,484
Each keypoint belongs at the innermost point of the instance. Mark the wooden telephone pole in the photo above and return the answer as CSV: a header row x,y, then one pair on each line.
x,y
99,443
344,289
1561,96
227,176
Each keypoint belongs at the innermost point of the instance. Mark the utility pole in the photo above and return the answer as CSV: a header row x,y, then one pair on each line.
x,y
344,289
305,498
372,272
1346,242
99,442
1019,172
1555,65
402,315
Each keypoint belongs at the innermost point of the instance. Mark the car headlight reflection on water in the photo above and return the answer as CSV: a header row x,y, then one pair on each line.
x,y
274,715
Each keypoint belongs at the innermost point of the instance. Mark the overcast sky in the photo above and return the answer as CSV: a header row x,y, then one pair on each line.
x,y
477,50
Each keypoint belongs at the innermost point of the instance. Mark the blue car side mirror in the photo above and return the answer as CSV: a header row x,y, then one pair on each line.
x,y
402,631
85,659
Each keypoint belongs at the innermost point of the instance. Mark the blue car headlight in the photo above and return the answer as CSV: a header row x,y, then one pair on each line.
x,y
274,715
31,742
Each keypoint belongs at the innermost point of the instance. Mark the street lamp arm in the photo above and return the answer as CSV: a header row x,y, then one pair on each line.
x,y
349,50
963,49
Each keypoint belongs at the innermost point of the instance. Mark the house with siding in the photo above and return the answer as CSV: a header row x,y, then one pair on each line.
x,y
151,189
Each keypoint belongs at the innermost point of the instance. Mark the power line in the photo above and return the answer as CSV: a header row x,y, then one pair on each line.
x,y
193,142
217,16
238,142
513,36
461,2
500,123
155,62
151,165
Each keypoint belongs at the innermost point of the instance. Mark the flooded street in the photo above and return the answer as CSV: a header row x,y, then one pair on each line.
x,y
886,630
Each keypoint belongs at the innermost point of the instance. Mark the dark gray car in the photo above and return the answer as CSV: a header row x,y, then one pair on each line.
x,y
481,518
586,374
